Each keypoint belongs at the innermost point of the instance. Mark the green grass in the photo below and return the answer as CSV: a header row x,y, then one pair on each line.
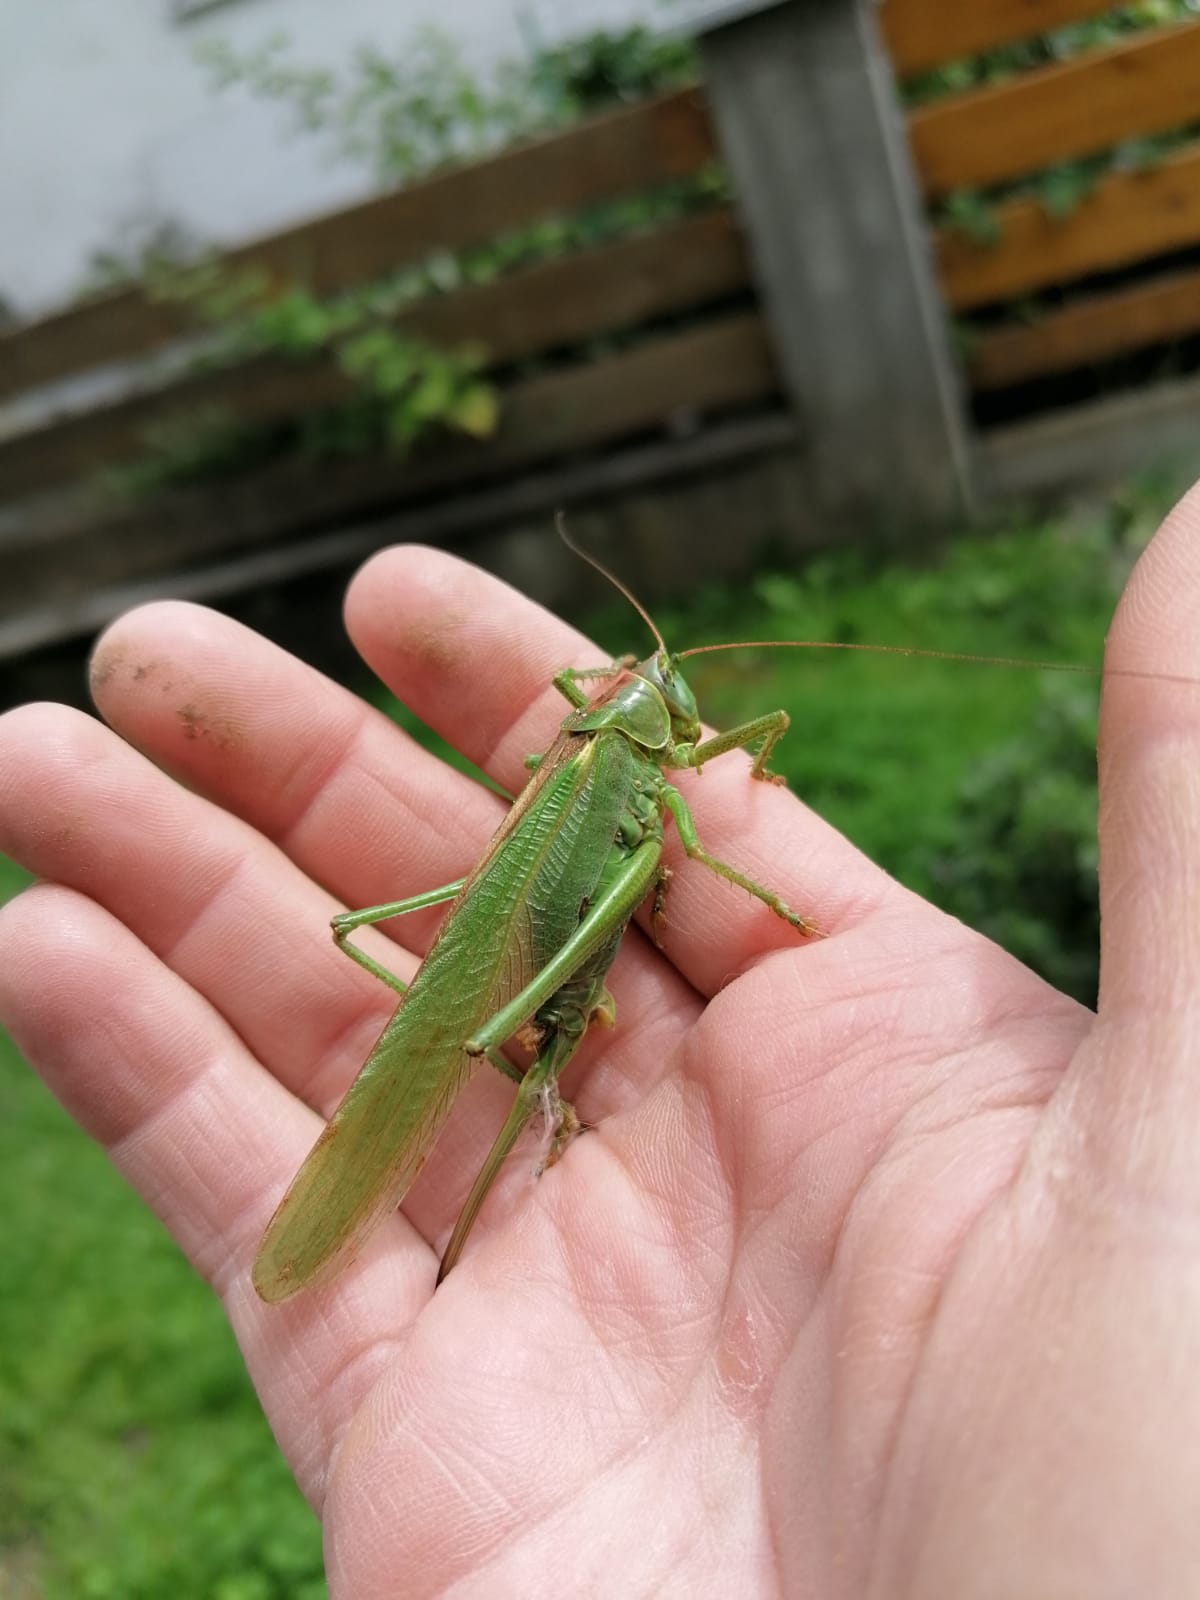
x,y
133,1458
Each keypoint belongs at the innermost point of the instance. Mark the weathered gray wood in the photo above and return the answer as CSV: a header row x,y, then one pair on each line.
x,y
620,152
809,123
552,305
1102,443
714,458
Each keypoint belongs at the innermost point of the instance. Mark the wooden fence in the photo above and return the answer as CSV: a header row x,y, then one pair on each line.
x,y
686,346
653,341
1147,85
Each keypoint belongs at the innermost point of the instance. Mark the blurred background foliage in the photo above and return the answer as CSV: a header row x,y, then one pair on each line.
x,y
409,111
402,114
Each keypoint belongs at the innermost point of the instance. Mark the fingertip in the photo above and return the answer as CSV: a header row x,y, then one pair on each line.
x,y
130,647
1154,627
43,747
467,652
35,724
435,604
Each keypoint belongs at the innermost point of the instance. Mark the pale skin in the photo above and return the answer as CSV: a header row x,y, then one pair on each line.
x,y
880,1275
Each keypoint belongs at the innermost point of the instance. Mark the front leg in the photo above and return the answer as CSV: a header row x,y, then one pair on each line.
x,y
568,680
765,731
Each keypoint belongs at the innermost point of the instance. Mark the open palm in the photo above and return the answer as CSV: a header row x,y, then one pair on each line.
x,y
881,1271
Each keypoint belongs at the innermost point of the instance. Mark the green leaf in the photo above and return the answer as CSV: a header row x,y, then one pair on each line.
x,y
476,411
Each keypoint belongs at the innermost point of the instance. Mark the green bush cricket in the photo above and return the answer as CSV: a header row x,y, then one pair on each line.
x,y
524,950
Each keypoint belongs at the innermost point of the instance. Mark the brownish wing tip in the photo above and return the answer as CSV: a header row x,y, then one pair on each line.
x,y
273,1283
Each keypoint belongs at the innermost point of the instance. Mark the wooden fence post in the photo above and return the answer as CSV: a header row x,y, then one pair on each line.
x,y
812,131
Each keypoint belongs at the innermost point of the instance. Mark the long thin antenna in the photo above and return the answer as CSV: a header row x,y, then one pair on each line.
x,y
1021,662
890,650
560,522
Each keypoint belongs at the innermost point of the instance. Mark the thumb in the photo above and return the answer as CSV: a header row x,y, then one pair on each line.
x,y
1150,780
1138,1095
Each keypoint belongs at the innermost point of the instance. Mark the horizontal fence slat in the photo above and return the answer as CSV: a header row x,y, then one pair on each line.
x,y
545,307
1076,108
927,33
1095,330
1100,442
561,303
1127,217
720,367
624,152
98,594
712,368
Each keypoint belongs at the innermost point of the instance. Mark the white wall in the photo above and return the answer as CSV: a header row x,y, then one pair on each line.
x,y
108,126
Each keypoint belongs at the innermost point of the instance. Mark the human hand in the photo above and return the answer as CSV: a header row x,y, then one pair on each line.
x,y
880,1273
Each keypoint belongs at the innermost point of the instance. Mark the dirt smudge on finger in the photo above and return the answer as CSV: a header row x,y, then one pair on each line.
x,y
106,662
434,645
199,724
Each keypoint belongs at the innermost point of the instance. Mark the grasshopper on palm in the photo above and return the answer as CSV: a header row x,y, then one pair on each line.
x,y
524,949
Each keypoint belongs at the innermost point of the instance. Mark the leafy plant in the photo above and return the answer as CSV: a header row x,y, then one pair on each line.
x,y
1058,44
972,214
1021,865
148,248
402,114
584,75
405,112
1062,186
399,113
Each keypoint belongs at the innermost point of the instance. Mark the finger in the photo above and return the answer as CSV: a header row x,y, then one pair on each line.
x,y
1149,789
351,799
1138,1091
220,906
355,802
207,1138
475,660
214,900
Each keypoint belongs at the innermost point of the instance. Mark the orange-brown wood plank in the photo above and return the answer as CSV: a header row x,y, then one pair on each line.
x,y
1075,108
926,33
559,303
624,152
1094,330
1128,216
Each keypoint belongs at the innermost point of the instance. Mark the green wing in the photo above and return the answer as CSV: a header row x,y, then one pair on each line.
x,y
517,907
